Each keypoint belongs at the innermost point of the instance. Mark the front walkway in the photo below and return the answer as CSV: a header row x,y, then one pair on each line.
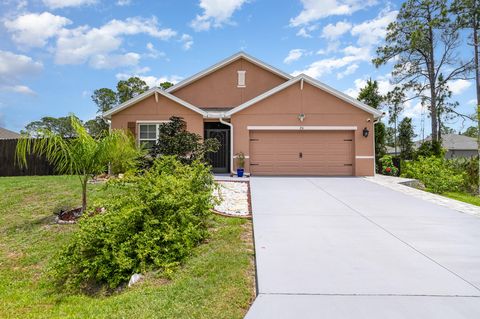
x,y
349,248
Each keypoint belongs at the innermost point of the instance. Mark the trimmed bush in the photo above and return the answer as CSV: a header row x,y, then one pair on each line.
x,y
436,173
152,222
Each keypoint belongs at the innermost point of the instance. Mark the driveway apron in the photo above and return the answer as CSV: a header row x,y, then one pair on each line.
x,y
349,248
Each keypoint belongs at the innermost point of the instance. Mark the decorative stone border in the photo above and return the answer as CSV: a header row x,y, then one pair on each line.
x,y
402,185
225,209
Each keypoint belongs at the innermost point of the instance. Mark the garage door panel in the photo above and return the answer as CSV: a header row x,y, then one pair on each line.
x,y
301,152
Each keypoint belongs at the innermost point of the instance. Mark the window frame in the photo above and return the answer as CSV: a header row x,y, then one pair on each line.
x,y
140,123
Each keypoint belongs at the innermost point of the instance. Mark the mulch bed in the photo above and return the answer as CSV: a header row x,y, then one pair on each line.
x,y
69,216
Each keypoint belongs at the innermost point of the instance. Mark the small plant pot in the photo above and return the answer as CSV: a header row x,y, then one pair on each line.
x,y
240,172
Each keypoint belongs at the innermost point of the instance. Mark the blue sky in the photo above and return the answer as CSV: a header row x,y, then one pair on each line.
x,y
54,53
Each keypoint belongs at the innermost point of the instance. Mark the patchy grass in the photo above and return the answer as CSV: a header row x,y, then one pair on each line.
x,y
216,282
464,197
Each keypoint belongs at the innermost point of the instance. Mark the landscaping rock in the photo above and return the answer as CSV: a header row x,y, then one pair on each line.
x,y
233,197
134,279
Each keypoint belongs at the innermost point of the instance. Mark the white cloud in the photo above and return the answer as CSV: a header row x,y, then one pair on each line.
x,y
75,46
13,67
56,4
459,86
17,65
414,110
22,89
187,41
384,85
33,29
314,10
305,31
331,47
349,70
333,31
326,66
123,2
101,61
215,13
472,102
371,32
152,52
151,80
294,55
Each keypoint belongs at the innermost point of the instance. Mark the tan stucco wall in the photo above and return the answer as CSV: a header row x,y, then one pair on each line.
x,y
219,89
320,108
149,110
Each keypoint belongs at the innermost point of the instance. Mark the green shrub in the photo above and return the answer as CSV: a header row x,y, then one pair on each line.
x,y
174,139
152,221
387,166
430,148
436,173
469,168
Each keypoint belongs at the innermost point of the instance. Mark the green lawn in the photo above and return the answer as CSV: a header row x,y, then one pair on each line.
x,y
467,198
217,282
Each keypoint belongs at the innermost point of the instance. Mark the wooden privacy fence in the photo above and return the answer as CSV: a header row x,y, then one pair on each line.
x,y
36,165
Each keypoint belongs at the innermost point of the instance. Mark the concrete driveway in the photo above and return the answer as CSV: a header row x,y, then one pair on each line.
x,y
348,248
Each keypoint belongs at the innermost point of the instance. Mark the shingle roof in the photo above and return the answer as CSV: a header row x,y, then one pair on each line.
x,y
7,134
455,142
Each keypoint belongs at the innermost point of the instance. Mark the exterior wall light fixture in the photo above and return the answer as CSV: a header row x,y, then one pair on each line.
x,y
365,132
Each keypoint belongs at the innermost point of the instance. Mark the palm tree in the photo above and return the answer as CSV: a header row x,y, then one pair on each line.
x,y
82,155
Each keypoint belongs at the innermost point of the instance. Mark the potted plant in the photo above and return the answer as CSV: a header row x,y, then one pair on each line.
x,y
240,164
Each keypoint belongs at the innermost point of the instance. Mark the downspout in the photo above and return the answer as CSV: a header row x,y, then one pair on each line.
x,y
232,171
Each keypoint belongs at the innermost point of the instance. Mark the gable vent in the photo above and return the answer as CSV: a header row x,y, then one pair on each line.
x,y
241,79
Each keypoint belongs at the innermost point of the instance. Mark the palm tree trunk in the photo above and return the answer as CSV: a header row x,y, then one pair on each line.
x,y
84,194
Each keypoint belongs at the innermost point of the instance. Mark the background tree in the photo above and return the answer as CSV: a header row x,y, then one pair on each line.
x,y
446,108
447,130
468,17
61,126
174,139
424,42
405,138
369,95
127,89
165,85
105,99
395,99
81,155
472,131
96,127
390,137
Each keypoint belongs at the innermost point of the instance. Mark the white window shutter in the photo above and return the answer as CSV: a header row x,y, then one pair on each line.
x,y
241,79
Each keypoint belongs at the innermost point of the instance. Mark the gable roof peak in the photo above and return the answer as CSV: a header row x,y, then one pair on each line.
x,y
155,90
376,113
224,62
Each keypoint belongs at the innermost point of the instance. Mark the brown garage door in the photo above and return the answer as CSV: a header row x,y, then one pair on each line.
x,y
301,152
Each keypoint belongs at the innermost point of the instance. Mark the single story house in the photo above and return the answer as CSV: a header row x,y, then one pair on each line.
x,y
283,124
7,134
456,145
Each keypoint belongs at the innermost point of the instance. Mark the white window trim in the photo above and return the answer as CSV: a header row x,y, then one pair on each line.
x,y
147,122
300,128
